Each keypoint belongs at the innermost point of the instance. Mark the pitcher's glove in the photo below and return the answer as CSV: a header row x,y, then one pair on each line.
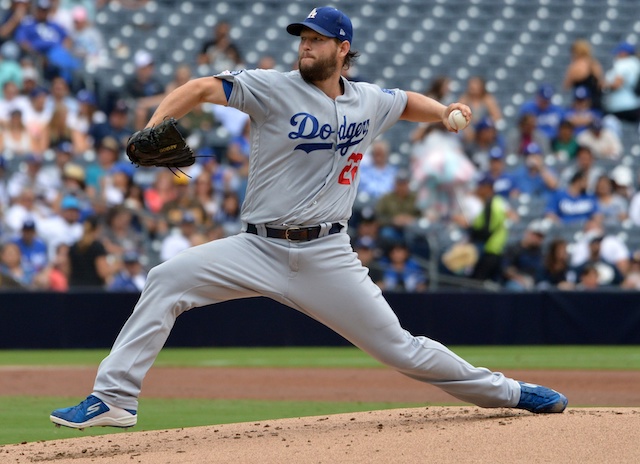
x,y
162,145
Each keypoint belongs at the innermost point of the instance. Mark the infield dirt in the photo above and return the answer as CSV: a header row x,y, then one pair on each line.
x,y
456,434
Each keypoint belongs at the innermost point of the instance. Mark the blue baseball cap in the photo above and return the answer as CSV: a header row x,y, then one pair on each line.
x,y
624,47
532,149
496,153
326,21
546,91
70,202
581,93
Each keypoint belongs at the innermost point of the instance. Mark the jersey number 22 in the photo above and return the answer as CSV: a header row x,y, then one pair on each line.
x,y
349,172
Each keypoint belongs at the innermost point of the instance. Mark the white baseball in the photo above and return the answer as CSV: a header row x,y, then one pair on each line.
x,y
457,120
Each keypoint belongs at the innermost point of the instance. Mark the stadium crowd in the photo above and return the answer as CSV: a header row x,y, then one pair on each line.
x,y
492,203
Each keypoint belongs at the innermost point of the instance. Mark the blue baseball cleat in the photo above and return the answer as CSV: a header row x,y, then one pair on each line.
x,y
93,412
541,400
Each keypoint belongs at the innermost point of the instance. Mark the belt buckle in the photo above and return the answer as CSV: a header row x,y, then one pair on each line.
x,y
288,229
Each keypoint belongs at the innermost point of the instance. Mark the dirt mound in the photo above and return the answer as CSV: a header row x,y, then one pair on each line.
x,y
430,434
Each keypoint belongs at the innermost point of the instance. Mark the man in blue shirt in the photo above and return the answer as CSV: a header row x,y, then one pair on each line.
x,y
573,204
534,177
548,115
33,250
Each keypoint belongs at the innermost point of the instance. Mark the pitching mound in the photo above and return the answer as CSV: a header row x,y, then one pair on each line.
x,y
433,434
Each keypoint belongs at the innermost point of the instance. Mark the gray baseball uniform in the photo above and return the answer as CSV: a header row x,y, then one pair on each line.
x,y
306,149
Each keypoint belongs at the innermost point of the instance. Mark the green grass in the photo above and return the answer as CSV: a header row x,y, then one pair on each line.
x,y
26,418
496,357
29,416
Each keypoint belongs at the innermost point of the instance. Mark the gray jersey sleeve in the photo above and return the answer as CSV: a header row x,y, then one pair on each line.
x,y
252,93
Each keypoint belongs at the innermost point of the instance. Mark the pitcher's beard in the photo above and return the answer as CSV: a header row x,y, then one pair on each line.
x,y
320,70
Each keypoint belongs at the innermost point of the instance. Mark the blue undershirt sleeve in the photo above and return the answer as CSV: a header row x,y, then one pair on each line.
x,y
227,87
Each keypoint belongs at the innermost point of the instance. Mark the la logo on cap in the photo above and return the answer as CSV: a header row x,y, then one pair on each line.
x,y
312,14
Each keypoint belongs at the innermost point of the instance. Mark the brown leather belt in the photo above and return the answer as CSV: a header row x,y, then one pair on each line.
x,y
295,233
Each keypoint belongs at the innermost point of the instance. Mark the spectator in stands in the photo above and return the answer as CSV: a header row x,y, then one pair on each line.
x,y
36,118
205,194
80,122
228,216
438,90
487,231
534,177
160,192
584,162
367,252
11,265
519,138
40,37
116,126
588,278
119,234
108,153
581,112
31,176
183,201
16,140
565,145
603,141
547,114
237,154
55,276
397,209
632,279
611,248
441,172
179,237
524,261
88,264
60,95
4,194
503,182
614,208
12,19
33,250
400,272
608,273
584,70
377,178
26,205
51,173
482,103
556,272
144,83
486,138
145,105
573,204
116,183
10,69
220,53
12,101
88,43
131,277
58,131
62,228
620,99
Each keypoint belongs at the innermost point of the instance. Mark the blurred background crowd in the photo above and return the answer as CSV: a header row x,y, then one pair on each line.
x,y
543,197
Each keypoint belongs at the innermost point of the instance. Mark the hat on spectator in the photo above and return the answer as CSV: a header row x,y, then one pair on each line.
x,y
85,96
546,91
130,257
70,202
596,124
10,51
64,147
120,107
496,153
485,123
486,179
110,143
365,242
624,47
594,235
44,4
38,91
188,218
74,171
532,149
79,13
622,175
125,168
28,224
581,93
29,74
403,175
538,226
142,58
